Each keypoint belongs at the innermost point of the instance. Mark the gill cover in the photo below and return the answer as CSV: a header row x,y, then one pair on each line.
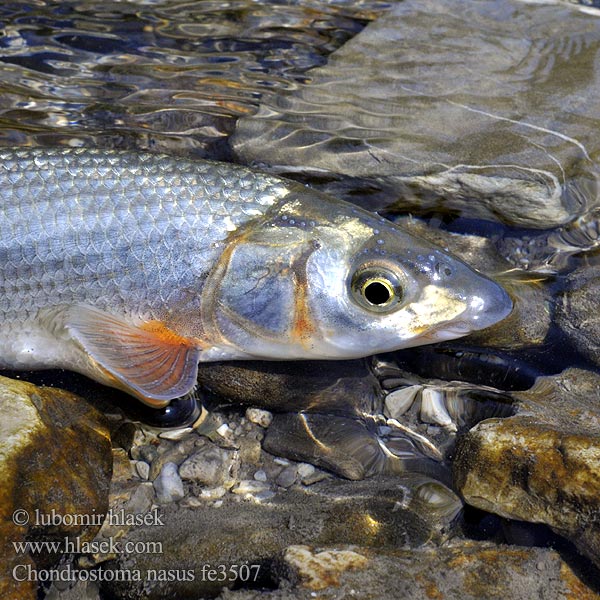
x,y
257,294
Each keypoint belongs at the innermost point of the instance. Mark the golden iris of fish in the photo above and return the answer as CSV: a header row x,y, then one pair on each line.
x,y
131,268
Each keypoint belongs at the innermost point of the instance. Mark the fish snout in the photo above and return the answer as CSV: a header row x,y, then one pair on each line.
x,y
488,304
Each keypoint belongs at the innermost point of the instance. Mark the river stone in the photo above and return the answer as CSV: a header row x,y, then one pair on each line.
x,y
543,464
577,311
460,570
209,466
281,386
55,457
405,511
168,485
466,120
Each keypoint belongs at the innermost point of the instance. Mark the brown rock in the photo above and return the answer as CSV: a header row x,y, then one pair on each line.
x,y
319,570
461,570
542,465
55,459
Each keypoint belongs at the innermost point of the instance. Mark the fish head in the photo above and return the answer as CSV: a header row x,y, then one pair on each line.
x,y
322,279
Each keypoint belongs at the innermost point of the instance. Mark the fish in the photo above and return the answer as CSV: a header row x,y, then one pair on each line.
x,y
132,268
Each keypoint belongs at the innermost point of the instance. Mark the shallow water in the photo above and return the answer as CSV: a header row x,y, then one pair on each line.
x,y
171,75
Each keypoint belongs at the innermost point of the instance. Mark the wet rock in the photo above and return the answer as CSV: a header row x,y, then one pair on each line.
x,y
176,453
259,416
457,571
319,386
141,499
208,466
352,448
287,477
577,311
342,445
398,512
168,484
391,110
55,458
319,570
142,469
543,464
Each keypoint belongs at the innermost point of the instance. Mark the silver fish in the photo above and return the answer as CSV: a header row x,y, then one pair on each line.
x,y
131,268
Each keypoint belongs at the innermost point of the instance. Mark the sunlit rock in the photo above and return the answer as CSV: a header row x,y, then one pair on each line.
x,y
56,464
543,464
485,109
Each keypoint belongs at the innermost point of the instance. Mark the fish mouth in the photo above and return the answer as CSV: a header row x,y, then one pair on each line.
x,y
484,309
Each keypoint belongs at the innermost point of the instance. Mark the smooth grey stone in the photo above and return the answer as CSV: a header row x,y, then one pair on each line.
x,y
168,484
494,115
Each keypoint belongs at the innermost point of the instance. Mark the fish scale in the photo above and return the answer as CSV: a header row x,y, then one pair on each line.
x,y
116,228
131,268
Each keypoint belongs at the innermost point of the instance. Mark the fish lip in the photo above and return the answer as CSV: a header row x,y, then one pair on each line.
x,y
487,308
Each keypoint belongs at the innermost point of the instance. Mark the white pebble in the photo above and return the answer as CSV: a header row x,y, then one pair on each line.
x,y
305,470
259,416
143,469
225,431
260,475
168,484
213,493
400,400
248,487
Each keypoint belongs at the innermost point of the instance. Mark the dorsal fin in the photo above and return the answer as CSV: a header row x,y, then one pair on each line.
x,y
151,362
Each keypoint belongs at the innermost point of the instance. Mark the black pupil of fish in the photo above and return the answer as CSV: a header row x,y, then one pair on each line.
x,y
377,293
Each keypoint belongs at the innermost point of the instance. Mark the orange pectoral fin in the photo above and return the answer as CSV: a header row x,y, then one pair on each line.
x,y
151,362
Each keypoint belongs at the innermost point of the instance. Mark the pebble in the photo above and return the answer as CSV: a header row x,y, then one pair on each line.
x,y
224,430
249,487
141,499
176,454
213,493
168,484
146,453
250,450
209,466
259,417
143,469
305,471
287,477
260,475
192,502
264,496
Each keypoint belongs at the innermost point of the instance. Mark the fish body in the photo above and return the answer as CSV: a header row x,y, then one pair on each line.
x,y
131,268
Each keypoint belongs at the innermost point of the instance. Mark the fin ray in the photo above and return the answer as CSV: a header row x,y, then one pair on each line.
x,y
154,364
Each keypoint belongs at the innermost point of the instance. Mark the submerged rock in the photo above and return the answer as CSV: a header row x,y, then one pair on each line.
x,y
55,460
577,311
387,513
460,570
543,464
489,117
345,387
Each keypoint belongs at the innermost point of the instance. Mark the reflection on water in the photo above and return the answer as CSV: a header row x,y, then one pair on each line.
x,y
150,74
482,109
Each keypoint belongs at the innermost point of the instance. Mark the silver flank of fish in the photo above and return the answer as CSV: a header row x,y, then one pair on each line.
x,y
131,268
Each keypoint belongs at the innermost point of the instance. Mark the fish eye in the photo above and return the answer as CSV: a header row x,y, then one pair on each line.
x,y
376,288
